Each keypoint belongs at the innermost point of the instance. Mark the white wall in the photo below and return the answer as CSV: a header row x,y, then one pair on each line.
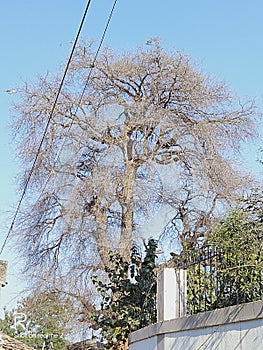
x,y
146,344
233,328
238,336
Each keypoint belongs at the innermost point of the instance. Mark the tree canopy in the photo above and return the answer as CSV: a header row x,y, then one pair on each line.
x,y
241,229
149,129
41,318
227,267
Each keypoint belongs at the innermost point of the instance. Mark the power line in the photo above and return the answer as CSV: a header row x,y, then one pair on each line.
x,y
97,52
54,105
83,92
47,125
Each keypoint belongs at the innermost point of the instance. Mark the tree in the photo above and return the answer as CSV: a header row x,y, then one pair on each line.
x,y
148,130
40,318
128,296
241,229
227,269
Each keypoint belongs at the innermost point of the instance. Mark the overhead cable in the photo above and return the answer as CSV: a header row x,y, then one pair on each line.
x,y
47,125
82,93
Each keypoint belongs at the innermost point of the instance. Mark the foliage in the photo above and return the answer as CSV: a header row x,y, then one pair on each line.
x,y
7,323
128,296
228,270
38,319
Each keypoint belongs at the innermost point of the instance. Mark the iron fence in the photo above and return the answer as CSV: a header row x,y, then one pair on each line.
x,y
217,278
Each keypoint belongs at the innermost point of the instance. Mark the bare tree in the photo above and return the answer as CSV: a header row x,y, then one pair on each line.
x,y
150,129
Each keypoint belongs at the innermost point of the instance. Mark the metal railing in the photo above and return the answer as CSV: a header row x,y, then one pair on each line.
x,y
217,278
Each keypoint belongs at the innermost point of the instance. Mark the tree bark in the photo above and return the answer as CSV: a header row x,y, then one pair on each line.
x,y
127,205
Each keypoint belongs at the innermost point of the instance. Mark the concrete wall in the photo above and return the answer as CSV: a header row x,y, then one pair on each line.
x,y
233,328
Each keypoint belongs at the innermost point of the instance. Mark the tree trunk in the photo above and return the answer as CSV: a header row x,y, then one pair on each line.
x,y
127,204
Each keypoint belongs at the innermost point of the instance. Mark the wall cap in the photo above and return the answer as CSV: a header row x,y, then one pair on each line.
x,y
232,314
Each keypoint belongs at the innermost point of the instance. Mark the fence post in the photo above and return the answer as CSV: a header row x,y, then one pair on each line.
x,y
181,292
171,294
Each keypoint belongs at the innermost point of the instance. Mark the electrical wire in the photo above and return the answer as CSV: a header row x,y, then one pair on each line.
x,y
97,52
54,105
47,125
82,93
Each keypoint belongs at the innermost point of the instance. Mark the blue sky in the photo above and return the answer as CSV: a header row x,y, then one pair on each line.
x,y
223,37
